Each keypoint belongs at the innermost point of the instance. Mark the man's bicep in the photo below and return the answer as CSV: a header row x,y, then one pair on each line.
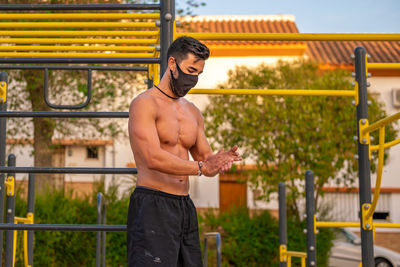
x,y
142,127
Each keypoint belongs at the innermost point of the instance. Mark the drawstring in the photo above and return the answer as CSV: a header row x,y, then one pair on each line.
x,y
184,213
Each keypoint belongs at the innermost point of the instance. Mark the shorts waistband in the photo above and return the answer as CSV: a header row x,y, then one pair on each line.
x,y
151,191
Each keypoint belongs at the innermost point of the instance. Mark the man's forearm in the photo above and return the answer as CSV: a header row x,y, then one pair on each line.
x,y
166,162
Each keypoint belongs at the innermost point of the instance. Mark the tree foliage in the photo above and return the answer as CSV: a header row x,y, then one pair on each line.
x,y
286,136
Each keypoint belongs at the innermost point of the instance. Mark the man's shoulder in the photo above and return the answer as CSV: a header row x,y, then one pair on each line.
x,y
190,105
195,110
144,99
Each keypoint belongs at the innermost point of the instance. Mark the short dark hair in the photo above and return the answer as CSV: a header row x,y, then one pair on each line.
x,y
180,48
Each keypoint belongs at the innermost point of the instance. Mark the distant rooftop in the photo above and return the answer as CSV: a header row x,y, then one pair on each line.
x,y
281,17
240,24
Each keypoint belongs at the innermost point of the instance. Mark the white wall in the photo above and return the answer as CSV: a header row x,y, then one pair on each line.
x,y
382,86
76,156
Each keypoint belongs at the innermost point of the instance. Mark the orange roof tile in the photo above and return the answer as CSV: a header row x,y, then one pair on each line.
x,y
337,53
240,24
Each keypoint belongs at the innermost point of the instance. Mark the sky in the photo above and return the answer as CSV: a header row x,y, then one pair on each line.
x,y
318,16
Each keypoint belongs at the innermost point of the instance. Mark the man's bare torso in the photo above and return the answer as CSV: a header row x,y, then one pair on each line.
x,y
177,126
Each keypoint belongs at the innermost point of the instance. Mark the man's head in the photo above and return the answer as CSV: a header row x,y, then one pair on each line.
x,y
186,58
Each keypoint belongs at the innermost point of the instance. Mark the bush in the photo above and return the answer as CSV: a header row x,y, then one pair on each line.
x,y
63,248
246,240
254,240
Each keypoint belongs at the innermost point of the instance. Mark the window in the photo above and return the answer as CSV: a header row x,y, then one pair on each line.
x,y
92,152
379,215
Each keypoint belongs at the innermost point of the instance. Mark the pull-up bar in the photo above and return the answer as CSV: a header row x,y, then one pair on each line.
x,y
293,36
272,92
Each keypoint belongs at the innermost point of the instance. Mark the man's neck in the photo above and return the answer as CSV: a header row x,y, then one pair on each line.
x,y
164,85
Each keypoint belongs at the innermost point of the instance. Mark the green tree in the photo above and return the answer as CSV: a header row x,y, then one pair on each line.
x,y
285,136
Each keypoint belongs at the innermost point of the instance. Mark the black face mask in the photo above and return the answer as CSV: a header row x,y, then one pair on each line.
x,y
182,85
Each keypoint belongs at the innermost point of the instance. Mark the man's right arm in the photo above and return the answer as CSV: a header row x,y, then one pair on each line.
x,y
144,138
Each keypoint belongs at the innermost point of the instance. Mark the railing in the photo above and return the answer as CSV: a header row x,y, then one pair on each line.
x,y
285,256
218,244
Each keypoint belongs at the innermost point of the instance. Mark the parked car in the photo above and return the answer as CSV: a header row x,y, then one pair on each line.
x,y
346,252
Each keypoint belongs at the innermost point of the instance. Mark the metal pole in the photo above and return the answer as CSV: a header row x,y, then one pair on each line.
x,y
282,219
205,252
218,240
98,234
3,133
167,17
8,260
31,209
218,244
104,235
310,212
367,247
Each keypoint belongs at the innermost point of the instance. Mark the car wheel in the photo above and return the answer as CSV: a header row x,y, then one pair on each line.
x,y
380,262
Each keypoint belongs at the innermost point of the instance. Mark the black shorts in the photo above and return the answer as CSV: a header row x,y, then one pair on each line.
x,y
162,230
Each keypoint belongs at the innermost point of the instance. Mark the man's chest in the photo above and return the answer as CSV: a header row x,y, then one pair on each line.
x,y
177,125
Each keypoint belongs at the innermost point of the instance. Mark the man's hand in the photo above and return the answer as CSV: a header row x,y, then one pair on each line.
x,y
220,162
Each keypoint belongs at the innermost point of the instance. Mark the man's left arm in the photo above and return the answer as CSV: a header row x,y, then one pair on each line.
x,y
201,149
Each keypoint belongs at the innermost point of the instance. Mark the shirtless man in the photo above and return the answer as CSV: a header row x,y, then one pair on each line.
x,y
163,128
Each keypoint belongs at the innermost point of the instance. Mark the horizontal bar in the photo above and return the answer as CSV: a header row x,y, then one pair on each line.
x,y
296,254
22,220
381,123
294,36
337,224
355,224
67,67
281,92
77,24
75,48
73,54
387,225
75,41
78,33
68,170
12,16
384,66
386,145
148,60
64,114
83,7
64,227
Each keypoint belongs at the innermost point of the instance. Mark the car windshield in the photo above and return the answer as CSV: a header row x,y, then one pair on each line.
x,y
346,236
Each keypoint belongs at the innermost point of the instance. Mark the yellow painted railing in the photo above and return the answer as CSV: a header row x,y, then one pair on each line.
x,y
354,224
78,33
50,25
27,220
75,41
116,29
294,36
301,255
381,123
15,16
386,66
64,55
364,131
286,256
277,92
76,48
